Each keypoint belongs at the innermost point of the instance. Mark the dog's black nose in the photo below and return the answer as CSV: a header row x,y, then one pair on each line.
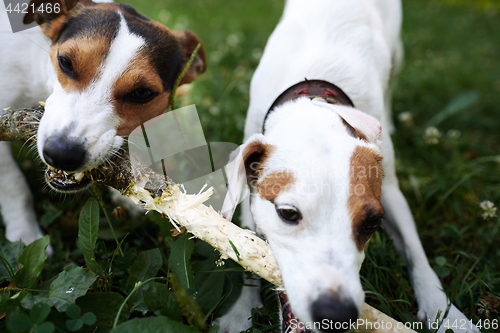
x,y
333,314
63,154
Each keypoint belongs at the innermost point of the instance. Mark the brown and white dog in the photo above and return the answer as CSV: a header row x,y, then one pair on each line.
x,y
315,151
103,69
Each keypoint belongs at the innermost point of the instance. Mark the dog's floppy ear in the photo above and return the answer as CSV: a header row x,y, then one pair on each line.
x,y
49,14
188,42
360,124
245,166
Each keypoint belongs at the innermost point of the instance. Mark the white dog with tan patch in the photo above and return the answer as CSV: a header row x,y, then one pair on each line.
x,y
316,141
104,68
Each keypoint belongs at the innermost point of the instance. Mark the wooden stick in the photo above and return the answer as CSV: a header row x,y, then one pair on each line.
x,y
152,191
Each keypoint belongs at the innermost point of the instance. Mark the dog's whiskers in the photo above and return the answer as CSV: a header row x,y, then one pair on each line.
x,y
27,122
127,141
28,143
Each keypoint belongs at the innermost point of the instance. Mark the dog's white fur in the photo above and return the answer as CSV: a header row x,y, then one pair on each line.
x,y
28,77
355,45
23,82
92,107
87,113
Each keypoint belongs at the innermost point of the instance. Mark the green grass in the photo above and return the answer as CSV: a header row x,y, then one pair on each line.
x,y
452,51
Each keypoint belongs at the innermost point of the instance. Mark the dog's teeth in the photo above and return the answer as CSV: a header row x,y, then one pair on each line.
x,y
65,173
79,176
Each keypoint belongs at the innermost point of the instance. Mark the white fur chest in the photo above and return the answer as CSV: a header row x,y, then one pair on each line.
x,y
27,70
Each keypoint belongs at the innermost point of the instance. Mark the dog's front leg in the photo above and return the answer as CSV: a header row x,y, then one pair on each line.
x,y
16,201
238,317
428,289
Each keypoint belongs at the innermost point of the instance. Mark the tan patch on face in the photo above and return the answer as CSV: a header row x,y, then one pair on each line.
x,y
274,184
140,74
86,55
255,156
365,191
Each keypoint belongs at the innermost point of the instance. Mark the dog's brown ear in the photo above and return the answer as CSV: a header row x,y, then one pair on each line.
x,y
189,41
245,166
50,14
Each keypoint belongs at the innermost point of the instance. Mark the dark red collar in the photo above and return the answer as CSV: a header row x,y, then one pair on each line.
x,y
311,88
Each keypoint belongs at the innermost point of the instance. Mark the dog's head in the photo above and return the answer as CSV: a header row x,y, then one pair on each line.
x,y
113,69
315,187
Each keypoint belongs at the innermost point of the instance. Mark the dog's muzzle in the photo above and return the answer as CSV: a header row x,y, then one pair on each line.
x,y
338,315
329,313
64,153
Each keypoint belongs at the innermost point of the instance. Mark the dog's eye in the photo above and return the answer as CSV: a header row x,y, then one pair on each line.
x,y
289,214
143,93
141,96
66,65
371,224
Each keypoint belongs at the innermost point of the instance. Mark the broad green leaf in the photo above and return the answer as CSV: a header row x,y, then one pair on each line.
x,y
4,298
73,311
153,325
209,286
32,261
105,307
146,265
39,313
88,227
30,300
232,286
214,328
18,321
88,318
9,251
179,261
70,285
45,328
11,300
159,299
155,296
74,324
136,303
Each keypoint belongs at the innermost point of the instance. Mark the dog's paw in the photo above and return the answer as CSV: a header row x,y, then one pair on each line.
x,y
235,321
432,300
239,316
454,320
